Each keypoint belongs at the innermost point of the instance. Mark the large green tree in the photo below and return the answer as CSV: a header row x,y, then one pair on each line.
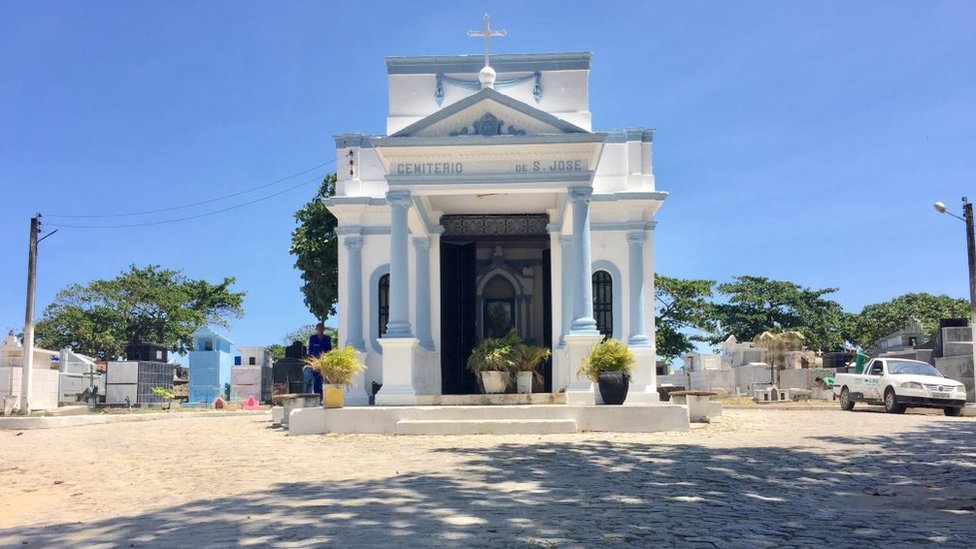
x,y
684,307
315,247
880,319
156,304
755,304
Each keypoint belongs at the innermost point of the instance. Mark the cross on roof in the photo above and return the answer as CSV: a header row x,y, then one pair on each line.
x,y
487,33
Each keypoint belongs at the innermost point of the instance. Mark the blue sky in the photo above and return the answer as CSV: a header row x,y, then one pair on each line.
x,y
803,141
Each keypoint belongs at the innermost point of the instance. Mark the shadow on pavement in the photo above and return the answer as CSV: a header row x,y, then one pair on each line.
x,y
596,494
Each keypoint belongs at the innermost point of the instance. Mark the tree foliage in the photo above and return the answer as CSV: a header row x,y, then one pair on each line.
x,y
301,334
880,319
315,246
156,304
755,304
684,307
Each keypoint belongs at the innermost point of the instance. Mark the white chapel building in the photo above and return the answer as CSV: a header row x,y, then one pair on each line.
x,y
491,204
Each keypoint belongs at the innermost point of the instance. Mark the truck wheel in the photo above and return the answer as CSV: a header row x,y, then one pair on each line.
x,y
845,400
952,412
891,403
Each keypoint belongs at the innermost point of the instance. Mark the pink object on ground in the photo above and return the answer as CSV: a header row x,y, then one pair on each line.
x,y
250,404
218,404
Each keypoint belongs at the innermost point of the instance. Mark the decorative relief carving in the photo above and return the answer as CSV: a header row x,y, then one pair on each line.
x,y
488,124
495,224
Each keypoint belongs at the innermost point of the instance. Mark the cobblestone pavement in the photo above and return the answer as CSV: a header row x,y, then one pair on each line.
x,y
754,478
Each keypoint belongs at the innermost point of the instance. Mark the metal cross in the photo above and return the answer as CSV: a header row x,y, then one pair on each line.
x,y
487,33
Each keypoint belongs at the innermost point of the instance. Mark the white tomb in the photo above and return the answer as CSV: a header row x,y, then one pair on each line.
x,y
491,204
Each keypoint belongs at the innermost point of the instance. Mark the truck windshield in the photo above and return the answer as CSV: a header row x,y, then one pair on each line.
x,y
912,368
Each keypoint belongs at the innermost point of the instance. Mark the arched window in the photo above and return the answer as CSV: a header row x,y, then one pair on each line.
x,y
603,303
383,292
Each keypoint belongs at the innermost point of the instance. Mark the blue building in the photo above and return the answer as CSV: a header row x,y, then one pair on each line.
x,y
210,364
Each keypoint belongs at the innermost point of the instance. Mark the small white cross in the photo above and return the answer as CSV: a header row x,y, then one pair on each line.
x,y
487,33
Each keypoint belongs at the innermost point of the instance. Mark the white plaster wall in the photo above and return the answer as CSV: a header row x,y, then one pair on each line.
x,y
611,246
624,167
43,392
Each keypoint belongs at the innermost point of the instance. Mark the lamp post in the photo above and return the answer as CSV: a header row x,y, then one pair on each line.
x,y
967,217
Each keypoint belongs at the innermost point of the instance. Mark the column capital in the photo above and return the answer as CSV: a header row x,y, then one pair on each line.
x,y
580,194
353,243
399,198
421,242
636,237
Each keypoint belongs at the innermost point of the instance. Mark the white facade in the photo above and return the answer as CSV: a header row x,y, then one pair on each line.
x,y
499,196
44,380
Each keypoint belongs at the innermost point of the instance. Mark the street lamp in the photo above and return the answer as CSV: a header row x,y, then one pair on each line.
x,y
967,217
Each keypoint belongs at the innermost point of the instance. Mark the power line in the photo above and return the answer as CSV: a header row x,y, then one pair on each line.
x,y
190,205
189,217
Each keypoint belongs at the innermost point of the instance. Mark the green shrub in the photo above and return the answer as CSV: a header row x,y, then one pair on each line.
x,y
609,356
495,355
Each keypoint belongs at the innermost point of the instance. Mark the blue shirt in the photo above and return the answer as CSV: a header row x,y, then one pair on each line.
x,y
318,346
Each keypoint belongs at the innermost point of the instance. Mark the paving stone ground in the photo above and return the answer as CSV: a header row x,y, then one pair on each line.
x,y
754,478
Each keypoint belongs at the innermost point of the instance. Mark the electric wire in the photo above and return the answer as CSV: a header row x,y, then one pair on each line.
x,y
189,205
317,179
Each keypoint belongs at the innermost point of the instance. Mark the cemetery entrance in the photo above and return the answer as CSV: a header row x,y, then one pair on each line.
x,y
495,277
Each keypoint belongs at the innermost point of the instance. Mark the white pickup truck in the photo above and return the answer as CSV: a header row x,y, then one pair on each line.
x,y
898,383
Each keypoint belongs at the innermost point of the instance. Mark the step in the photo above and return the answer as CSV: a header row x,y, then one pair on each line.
x,y
508,399
485,427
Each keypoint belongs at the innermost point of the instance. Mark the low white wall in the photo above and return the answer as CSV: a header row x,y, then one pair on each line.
x,y
44,387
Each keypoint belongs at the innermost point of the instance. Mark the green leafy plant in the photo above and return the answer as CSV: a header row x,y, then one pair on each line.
x,y
530,356
338,366
496,355
608,356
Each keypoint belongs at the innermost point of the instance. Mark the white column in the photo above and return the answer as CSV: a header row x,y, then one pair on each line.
x,y
638,324
583,321
399,324
566,287
421,246
354,297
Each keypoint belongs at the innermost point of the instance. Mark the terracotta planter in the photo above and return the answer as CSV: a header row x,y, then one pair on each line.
x,y
332,396
523,381
494,382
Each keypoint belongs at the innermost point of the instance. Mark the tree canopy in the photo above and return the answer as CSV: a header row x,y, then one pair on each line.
x,y
315,247
880,319
684,307
754,304
156,304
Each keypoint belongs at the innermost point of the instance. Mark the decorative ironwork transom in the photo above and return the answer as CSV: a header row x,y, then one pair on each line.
x,y
495,224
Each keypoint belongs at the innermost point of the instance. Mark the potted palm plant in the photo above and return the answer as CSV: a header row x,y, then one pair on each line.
x,y
529,358
494,359
338,368
609,365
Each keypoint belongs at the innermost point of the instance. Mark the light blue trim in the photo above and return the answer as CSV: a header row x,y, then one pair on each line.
x,y
481,140
374,306
360,230
623,226
644,135
501,63
475,85
631,195
487,94
616,280
399,325
431,227
353,201
352,140
566,287
583,321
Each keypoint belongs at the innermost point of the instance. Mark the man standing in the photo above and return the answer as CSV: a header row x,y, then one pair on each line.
x,y
859,359
318,343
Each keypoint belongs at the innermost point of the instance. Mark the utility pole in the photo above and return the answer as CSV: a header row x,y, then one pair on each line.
x,y
967,213
28,360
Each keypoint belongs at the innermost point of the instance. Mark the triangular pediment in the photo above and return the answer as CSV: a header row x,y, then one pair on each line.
x,y
488,113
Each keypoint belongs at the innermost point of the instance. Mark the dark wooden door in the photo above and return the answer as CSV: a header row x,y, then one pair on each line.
x,y
458,279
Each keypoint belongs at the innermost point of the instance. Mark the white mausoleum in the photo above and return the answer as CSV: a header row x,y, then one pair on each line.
x,y
492,204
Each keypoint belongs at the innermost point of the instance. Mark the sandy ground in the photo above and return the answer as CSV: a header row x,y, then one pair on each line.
x,y
146,483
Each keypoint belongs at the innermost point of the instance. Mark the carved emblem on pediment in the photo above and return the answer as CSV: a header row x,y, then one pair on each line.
x,y
488,124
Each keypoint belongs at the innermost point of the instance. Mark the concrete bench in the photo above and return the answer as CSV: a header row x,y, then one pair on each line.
x,y
697,402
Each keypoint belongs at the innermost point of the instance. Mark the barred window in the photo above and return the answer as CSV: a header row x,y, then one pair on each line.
x,y
384,303
603,303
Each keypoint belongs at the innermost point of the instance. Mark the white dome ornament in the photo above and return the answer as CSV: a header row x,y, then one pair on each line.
x,y
487,75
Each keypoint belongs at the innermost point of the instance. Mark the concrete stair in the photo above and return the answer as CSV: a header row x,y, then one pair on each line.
x,y
485,426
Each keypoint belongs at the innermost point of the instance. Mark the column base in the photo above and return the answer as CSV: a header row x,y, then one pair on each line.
x,y
643,379
398,368
356,395
580,391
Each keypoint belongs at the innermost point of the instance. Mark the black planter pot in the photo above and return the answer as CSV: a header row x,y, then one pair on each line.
x,y
613,387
